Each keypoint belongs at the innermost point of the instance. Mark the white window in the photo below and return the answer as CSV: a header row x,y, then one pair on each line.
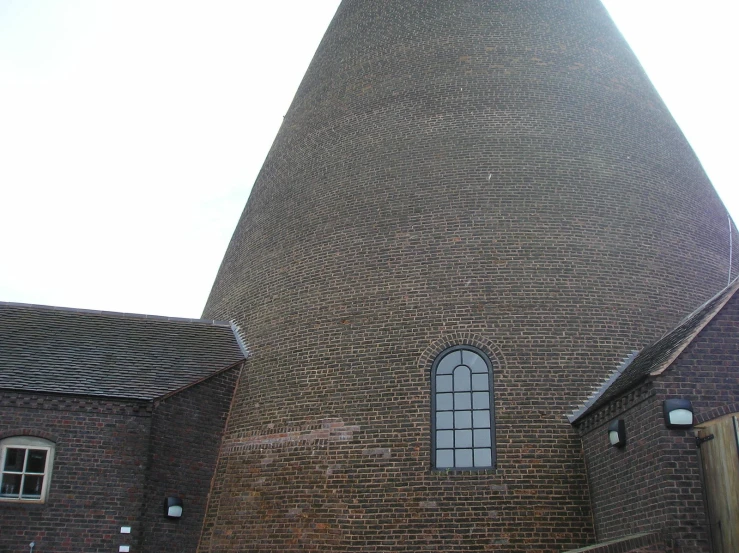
x,y
26,468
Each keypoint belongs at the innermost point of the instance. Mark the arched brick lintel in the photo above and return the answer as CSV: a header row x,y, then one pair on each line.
x,y
716,412
426,360
34,432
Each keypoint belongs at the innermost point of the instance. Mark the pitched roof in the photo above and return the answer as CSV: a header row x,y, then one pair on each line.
x,y
657,357
74,351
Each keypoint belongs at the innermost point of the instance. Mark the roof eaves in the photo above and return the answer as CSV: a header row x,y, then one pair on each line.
x,y
577,413
209,322
198,381
131,397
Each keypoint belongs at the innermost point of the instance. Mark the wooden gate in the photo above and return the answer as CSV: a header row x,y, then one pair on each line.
x,y
719,448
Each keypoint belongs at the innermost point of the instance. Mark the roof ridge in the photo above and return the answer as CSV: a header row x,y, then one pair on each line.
x,y
120,314
240,339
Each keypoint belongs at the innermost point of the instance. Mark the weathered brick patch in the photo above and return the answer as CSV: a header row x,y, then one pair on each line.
x,y
331,430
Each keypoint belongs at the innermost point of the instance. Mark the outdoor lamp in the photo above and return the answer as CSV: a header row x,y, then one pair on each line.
x,y
678,413
617,433
173,507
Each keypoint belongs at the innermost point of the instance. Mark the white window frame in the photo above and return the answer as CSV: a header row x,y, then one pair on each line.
x,y
27,443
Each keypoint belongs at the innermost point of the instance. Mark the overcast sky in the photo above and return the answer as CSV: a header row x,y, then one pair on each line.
x,y
131,131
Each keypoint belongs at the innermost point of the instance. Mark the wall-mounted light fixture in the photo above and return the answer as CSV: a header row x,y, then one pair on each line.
x,y
173,507
617,433
678,413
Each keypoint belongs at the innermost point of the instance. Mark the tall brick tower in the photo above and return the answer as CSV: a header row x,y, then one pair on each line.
x,y
473,211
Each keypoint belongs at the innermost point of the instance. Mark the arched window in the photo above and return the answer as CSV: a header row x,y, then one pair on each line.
x,y
462,410
25,468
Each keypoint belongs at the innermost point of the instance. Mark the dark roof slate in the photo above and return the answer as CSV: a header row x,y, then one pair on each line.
x,y
74,351
655,358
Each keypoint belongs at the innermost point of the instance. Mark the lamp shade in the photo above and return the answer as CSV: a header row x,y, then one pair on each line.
x,y
617,433
678,413
173,507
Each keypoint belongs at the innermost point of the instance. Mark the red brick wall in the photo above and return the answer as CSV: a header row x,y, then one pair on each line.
x,y
706,371
707,374
98,477
653,483
186,434
502,170
626,483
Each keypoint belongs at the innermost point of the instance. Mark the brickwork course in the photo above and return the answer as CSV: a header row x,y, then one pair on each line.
x,y
186,431
654,482
115,462
98,476
500,174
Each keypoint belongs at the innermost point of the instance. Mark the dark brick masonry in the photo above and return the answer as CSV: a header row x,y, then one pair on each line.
x,y
654,482
97,483
186,434
135,405
492,173
116,460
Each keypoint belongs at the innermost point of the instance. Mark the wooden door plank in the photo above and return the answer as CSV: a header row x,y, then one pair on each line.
x,y
720,458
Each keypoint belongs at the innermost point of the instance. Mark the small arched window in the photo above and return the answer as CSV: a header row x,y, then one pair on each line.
x,y
25,468
462,410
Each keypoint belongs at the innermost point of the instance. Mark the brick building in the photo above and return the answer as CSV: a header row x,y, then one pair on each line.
x,y
472,211
652,483
104,416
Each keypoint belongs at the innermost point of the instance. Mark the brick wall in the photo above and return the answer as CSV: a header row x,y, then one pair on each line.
x,y
186,434
706,371
653,483
98,476
707,374
501,172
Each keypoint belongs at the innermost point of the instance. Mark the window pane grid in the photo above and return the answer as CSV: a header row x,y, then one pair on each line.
x,y
23,472
463,414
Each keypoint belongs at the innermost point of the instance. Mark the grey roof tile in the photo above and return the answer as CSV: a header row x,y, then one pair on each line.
x,y
658,356
74,351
